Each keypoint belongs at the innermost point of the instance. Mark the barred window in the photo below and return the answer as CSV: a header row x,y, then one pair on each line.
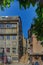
x,y
1,25
10,25
1,37
14,25
8,37
14,50
14,37
8,49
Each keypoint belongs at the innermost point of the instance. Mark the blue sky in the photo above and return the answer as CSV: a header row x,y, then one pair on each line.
x,y
26,15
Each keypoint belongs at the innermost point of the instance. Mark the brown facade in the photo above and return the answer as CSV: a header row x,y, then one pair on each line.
x,y
35,49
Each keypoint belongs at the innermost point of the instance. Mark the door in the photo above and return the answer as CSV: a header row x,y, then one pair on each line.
x,y
36,63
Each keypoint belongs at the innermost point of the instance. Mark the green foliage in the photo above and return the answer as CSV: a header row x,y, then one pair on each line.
x,y
4,3
38,24
42,43
26,3
39,12
38,29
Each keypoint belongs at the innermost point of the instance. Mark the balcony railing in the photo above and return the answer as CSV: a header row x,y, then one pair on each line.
x,y
2,43
8,31
7,43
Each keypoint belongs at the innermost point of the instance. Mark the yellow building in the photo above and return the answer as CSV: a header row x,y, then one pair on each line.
x,y
11,37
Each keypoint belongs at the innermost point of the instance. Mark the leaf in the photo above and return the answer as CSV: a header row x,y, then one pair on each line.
x,y
8,5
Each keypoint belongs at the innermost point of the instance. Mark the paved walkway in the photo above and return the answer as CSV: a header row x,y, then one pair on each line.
x,y
16,64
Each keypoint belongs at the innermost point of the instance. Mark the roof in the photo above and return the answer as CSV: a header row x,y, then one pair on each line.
x,y
9,18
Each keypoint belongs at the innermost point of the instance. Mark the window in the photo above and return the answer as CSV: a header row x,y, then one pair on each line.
x,y
42,57
36,57
13,37
14,25
15,58
1,37
36,63
14,50
8,37
8,49
10,25
30,40
1,49
1,25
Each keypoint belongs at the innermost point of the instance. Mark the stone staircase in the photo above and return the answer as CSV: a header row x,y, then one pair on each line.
x,y
24,58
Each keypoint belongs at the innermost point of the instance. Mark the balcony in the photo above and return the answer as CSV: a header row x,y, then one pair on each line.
x,y
8,43
2,43
8,31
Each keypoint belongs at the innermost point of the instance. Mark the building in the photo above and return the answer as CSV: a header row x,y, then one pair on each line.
x,y
35,49
11,37
24,45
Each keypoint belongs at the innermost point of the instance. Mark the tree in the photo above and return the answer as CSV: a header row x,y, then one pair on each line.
x,y
5,3
24,3
37,27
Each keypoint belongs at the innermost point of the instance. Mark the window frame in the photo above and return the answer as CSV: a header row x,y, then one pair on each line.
x,y
8,50
14,37
14,50
8,37
1,38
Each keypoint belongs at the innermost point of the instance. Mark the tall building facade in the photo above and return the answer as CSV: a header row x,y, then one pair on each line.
x,y
11,37
24,45
35,49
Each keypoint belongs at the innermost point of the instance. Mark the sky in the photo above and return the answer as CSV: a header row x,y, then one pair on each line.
x,y
26,15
